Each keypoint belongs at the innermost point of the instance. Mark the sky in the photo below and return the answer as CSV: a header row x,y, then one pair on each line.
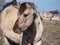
x,y
44,5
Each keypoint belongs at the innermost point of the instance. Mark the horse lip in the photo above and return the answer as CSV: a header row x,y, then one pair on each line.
x,y
24,28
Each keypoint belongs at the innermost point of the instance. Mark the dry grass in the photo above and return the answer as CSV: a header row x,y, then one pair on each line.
x,y
51,35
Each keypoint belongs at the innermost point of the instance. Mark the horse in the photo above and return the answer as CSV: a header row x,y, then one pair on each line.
x,y
10,17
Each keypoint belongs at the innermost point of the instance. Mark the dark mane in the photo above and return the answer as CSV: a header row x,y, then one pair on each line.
x,y
14,2
23,6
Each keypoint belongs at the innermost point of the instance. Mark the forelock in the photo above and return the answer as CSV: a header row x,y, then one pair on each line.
x,y
24,5
22,8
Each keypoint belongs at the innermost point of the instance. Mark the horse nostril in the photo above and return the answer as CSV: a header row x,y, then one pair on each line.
x,y
25,15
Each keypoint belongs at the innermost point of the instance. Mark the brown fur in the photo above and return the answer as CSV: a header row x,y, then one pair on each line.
x,y
25,19
8,21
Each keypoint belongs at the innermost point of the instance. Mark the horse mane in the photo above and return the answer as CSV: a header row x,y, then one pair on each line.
x,y
23,6
14,2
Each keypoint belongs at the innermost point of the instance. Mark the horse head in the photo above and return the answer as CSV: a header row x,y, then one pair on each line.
x,y
26,16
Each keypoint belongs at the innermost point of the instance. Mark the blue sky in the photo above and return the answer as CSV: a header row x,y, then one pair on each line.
x,y
44,5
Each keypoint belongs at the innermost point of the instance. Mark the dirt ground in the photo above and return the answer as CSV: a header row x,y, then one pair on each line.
x,y
51,34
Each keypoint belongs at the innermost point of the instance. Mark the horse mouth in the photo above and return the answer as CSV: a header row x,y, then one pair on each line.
x,y
24,28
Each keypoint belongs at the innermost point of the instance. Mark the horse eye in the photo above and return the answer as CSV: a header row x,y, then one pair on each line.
x,y
25,15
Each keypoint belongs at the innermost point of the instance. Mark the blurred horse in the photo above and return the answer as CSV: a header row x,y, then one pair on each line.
x,y
26,20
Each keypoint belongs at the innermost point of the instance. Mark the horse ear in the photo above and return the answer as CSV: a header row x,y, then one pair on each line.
x,y
22,8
